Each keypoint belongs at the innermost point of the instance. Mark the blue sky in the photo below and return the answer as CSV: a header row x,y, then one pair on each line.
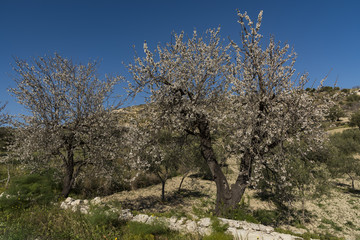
x,y
325,34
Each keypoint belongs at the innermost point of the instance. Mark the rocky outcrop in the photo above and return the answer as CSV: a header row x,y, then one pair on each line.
x,y
241,230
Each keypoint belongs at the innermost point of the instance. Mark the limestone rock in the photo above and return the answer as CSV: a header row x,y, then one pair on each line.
x,y
68,200
96,201
191,226
204,222
76,202
141,218
126,215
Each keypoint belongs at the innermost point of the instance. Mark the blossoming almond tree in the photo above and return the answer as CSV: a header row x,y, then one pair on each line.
x,y
252,98
69,122
270,109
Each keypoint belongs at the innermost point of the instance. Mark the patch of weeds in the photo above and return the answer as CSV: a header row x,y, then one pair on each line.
x,y
308,235
320,205
201,212
241,215
350,224
217,226
299,225
143,229
99,216
332,224
48,222
218,236
266,217
322,226
169,214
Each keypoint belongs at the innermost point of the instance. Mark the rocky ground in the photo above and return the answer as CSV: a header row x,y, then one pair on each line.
x,y
338,213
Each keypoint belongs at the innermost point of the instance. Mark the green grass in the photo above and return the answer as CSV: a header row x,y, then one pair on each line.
x,y
332,224
48,222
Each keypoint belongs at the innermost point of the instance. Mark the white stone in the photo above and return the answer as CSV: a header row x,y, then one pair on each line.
x,y
63,205
86,201
203,231
231,223
204,222
96,201
253,226
68,200
150,219
83,210
75,202
283,236
266,229
181,220
126,215
191,226
140,218
173,220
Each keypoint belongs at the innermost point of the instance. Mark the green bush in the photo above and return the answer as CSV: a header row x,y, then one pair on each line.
x,y
241,214
266,217
353,98
28,190
355,120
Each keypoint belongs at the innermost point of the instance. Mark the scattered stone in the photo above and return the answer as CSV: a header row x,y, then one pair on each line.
x,y
239,229
68,200
76,202
126,215
96,201
140,218
63,205
204,222
84,210
191,226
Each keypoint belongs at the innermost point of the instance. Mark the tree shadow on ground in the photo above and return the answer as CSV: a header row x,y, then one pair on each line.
x,y
173,199
346,188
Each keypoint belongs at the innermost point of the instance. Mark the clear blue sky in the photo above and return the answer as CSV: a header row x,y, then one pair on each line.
x,y
325,34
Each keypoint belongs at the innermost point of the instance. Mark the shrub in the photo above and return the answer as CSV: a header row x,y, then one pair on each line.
x,y
355,119
266,217
353,98
241,214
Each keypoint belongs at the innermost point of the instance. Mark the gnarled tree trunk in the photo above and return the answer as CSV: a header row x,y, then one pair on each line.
x,y
226,198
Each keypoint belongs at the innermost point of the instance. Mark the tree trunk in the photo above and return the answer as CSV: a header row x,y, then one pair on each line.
x,y
182,180
163,182
226,198
69,173
68,181
163,190
352,181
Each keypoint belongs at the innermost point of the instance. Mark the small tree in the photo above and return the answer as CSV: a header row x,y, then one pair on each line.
x,y
355,120
70,121
335,113
342,160
156,149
